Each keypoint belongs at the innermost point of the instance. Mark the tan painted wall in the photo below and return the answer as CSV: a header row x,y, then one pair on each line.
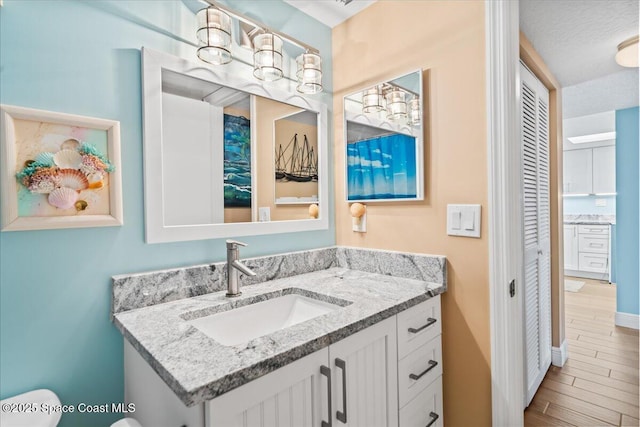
x,y
445,38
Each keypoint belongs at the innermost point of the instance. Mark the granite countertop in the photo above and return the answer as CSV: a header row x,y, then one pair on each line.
x,y
592,219
197,368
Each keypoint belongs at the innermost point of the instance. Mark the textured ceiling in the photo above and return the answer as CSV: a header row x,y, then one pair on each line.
x,y
330,12
578,39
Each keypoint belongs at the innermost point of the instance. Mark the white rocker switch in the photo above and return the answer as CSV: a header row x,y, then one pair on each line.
x,y
463,220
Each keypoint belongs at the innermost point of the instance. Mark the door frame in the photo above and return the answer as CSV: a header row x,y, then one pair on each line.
x,y
505,46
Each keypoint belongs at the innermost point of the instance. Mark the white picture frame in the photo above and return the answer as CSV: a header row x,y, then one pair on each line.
x,y
110,197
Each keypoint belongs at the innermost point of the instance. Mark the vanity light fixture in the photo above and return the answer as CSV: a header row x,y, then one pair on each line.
x,y
214,36
267,57
309,73
396,104
372,100
415,113
627,55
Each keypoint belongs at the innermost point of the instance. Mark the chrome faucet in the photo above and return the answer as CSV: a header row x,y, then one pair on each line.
x,y
233,266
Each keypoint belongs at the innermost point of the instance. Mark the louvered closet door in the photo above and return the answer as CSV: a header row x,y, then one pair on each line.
x,y
537,269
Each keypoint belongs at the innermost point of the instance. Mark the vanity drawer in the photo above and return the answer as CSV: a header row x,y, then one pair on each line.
x,y
600,230
418,325
418,369
595,263
425,409
593,244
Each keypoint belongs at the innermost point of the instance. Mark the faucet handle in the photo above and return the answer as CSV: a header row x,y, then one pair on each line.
x,y
233,244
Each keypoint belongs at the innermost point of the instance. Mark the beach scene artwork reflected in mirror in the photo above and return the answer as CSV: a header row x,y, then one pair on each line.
x,y
384,141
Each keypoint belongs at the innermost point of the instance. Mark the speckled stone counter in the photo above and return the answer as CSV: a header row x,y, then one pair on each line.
x,y
592,219
198,368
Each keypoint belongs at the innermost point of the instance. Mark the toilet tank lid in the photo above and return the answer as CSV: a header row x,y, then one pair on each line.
x,y
32,419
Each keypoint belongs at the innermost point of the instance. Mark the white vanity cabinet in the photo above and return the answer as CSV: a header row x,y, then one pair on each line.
x,y
361,371
387,375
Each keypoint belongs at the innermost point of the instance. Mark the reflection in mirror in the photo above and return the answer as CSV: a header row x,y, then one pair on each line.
x,y
296,160
384,141
210,137
218,155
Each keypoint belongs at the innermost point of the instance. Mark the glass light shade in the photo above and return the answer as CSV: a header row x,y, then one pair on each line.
x,y
214,36
267,57
309,73
627,55
396,104
372,100
415,113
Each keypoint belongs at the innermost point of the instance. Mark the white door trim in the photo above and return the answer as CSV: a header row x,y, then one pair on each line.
x,y
505,219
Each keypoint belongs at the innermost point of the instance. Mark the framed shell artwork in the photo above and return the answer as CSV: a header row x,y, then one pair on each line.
x,y
58,170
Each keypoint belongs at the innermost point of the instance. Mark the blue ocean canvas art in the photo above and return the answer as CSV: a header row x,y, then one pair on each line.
x,y
383,167
237,162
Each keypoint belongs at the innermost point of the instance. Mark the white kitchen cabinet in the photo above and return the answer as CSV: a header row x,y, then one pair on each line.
x,y
587,251
578,172
570,247
604,169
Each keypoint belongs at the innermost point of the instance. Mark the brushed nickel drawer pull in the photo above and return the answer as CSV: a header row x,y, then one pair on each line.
x,y
434,418
432,364
430,321
342,416
326,371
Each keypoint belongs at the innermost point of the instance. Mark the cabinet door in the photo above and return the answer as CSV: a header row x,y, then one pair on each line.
x,y
292,396
571,247
578,165
604,169
365,377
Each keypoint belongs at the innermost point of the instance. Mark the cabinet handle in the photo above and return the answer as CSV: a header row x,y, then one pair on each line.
x,y
432,364
342,416
434,418
326,371
430,321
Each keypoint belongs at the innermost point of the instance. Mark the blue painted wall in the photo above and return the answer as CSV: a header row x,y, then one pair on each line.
x,y
628,210
587,205
83,57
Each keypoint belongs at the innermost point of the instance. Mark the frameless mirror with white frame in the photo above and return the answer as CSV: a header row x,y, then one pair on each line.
x,y
210,153
384,141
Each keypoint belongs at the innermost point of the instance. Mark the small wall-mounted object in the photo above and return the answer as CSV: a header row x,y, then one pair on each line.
x,y
358,217
314,211
463,220
59,170
264,214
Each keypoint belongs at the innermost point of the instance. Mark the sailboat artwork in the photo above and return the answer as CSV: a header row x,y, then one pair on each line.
x,y
301,165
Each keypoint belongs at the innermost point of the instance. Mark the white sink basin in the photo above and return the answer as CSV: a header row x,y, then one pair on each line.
x,y
241,325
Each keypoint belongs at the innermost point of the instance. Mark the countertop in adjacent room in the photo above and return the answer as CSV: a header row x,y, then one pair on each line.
x,y
592,219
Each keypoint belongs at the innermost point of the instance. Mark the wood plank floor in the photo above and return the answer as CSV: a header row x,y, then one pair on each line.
x,y
598,386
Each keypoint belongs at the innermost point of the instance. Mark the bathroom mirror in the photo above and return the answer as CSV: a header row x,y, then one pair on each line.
x,y
384,141
212,145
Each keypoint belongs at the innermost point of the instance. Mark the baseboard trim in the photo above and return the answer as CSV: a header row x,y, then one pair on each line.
x,y
628,320
588,275
559,354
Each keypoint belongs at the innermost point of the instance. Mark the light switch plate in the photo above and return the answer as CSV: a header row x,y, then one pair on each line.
x,y
463,220
264,214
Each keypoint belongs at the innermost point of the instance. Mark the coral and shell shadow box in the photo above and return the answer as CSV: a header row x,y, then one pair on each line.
x,y
58,170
